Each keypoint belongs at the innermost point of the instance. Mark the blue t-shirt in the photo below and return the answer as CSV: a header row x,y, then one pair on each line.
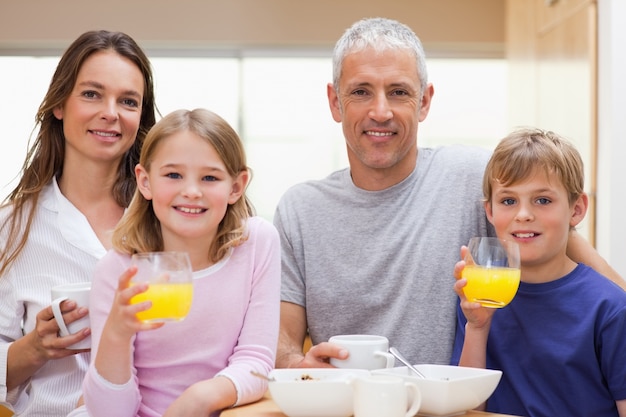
x,y
561,346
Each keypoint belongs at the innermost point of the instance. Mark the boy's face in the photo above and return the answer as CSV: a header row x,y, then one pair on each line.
x,y
536,214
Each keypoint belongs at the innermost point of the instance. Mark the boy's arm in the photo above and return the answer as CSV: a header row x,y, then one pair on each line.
x,y
581,251
474,353
621,407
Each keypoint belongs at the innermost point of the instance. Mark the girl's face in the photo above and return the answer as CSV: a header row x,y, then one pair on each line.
x,y
190,190
101,116
537,214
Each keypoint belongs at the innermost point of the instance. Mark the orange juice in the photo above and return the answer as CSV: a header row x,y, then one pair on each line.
x,y
491,287
170,301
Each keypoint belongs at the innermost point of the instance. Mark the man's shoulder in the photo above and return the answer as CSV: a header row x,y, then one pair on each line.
x,y
456,160
333,181
459,152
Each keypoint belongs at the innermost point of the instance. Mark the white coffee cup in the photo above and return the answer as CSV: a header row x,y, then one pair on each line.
x,y
365,352
385,395
78,292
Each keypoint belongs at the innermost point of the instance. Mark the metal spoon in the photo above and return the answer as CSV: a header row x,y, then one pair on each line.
x,y
402,359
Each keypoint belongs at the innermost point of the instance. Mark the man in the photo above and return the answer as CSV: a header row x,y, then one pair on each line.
x,y
372,249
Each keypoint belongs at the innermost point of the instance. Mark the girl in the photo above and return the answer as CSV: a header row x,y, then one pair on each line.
x,y
75,183
191,183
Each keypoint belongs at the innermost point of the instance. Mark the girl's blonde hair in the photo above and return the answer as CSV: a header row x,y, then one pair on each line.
x,y
519,155
140,230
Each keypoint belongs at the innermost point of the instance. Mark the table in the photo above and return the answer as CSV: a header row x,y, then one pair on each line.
x,y
268,408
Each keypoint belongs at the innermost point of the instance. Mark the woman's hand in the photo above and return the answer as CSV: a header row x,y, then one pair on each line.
x,y
29,353
45,337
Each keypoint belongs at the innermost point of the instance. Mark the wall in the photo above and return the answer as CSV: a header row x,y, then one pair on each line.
x,y
453,26
611,222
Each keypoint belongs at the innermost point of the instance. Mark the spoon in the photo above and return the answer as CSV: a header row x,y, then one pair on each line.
x,y
402,359
260,375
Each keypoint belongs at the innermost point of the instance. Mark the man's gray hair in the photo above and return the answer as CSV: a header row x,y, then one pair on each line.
x,y
381,34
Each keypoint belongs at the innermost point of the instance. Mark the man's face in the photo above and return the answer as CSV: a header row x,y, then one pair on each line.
x,y
380,104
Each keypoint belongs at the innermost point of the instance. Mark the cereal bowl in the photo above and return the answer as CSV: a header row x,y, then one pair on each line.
x,y
449,390
314,392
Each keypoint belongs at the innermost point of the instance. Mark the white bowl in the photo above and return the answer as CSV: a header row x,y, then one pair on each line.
x,y
328,393
449,390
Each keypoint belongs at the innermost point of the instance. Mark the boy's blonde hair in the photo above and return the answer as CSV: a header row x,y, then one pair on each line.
x,y
525,151
140,229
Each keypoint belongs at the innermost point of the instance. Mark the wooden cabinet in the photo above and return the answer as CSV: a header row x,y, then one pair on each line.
x,y
552,52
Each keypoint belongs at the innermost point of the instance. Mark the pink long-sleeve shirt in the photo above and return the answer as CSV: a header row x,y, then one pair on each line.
x,y
232,328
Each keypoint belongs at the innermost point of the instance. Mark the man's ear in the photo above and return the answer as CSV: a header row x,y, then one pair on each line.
x,y
427,98
334,102
143,181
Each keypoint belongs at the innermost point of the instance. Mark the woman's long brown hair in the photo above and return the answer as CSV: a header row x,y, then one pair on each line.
x,y
45,156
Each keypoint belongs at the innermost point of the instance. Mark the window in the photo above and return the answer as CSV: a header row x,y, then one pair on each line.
x,y
278,105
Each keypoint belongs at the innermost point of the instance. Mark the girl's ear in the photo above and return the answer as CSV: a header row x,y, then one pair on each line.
x,y
239,186
579,209
143,182
489,211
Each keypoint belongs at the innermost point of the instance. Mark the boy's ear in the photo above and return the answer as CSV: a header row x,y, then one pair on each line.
x,y
579,209
489,211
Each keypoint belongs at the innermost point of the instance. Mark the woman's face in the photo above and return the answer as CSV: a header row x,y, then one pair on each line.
x,y
101,116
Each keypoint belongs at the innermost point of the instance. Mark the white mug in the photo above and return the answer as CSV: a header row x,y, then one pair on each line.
x,y
385,395
365,352
79,293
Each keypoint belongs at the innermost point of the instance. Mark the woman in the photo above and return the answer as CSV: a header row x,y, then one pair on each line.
x,y
77,179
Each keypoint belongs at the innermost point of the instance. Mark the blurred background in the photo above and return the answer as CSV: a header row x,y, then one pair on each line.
x,y
264,64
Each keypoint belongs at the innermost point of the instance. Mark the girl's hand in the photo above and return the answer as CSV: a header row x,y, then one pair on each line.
x,y
203,398
113,357
122,321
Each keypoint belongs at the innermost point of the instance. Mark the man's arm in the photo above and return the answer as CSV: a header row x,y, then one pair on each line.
x,y
293,329
291,336
580,250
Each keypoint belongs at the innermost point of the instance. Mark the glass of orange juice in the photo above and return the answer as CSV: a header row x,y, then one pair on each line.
x,y
492,271
170,287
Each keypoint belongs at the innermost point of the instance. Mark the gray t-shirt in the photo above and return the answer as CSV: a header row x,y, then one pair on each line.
x,y
381,262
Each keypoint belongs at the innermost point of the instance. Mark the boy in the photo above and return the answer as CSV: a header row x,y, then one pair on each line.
x,y
561,342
